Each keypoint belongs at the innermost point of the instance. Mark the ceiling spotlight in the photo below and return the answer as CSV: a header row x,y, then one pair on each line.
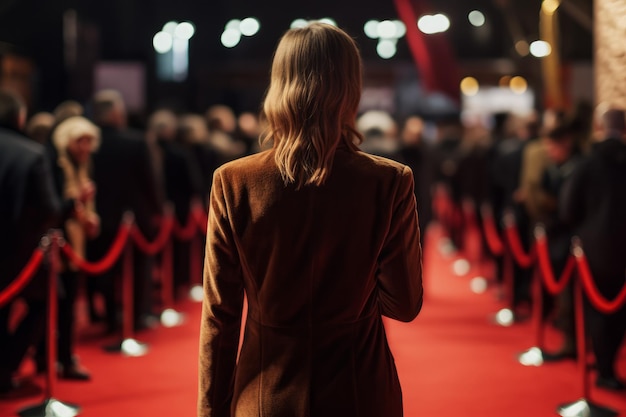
x,y
249,26
386,48
476,18
431,24
299,24
540,49
184,30
371,29
162,42
386,29
230,38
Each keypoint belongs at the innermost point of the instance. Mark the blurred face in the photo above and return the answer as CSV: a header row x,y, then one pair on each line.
x,y
80,149
558,152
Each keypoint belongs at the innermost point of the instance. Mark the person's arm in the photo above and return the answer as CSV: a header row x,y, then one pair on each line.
x,y
221,310
400,291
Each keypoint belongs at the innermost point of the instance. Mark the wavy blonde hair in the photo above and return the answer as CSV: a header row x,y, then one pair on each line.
x,y
312,101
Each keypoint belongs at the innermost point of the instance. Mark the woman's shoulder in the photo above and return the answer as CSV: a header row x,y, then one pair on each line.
x,y
375,163
251,165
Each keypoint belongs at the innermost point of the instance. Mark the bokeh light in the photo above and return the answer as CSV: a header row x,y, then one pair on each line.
x,y
162,42
386,48
249,26
518,85
540,49
230,38
476,18
469,86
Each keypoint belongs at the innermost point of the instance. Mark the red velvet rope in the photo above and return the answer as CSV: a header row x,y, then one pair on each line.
x,y
106,263
157,245
496,246
597,299
525,260
543,257
187,232
24,277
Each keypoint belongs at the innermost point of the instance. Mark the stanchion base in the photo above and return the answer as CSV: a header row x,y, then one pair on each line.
x,y
196,293
172,318
50,408
584,408
531,357
504,317
128,347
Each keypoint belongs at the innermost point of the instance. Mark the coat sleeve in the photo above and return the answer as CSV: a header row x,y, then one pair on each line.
x,y
400,290
221,310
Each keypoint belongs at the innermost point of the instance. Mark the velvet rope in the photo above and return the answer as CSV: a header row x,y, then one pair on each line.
x,y
543,257
496,246
25,276
525,260
107,262
159,242
597,299
187,232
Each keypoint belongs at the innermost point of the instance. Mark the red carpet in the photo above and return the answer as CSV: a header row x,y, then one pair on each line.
x,y
453,362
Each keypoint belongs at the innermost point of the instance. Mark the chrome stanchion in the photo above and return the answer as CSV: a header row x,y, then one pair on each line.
x,y
196,293
582,407
51,407
534,355
169,316
128,346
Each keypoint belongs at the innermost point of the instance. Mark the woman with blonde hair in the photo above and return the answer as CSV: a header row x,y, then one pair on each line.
x,y
75,139
322,239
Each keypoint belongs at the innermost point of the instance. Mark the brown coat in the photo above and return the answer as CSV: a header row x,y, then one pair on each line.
x,y
319,267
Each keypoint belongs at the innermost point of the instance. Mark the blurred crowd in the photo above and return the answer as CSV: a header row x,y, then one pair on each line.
x,y
81,167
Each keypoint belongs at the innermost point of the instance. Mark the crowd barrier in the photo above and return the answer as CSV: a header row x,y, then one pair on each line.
x,y
507,243
53,245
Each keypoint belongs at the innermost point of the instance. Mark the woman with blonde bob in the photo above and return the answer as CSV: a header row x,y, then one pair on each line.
x,y
322,239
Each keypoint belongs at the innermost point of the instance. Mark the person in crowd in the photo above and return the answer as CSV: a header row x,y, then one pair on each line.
x,y
28,207
248,131
447,155
380,133
181,180
194,136
564,155
39,127
516,179
75,140
593,202
67,109
125,178
222,125
321,253
417,154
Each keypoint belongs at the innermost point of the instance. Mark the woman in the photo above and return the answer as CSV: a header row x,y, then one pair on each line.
x,y
75,139
323,239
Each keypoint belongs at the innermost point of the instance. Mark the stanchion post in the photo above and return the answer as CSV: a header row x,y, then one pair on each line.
x,y
128,346
582,407
195,267
169,316
534,355
128,293
51,407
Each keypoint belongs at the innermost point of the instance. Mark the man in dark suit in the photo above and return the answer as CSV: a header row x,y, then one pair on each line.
x,y
28,207
125,180
594,203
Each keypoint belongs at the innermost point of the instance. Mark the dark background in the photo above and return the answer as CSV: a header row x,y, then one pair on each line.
x,y
122,30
